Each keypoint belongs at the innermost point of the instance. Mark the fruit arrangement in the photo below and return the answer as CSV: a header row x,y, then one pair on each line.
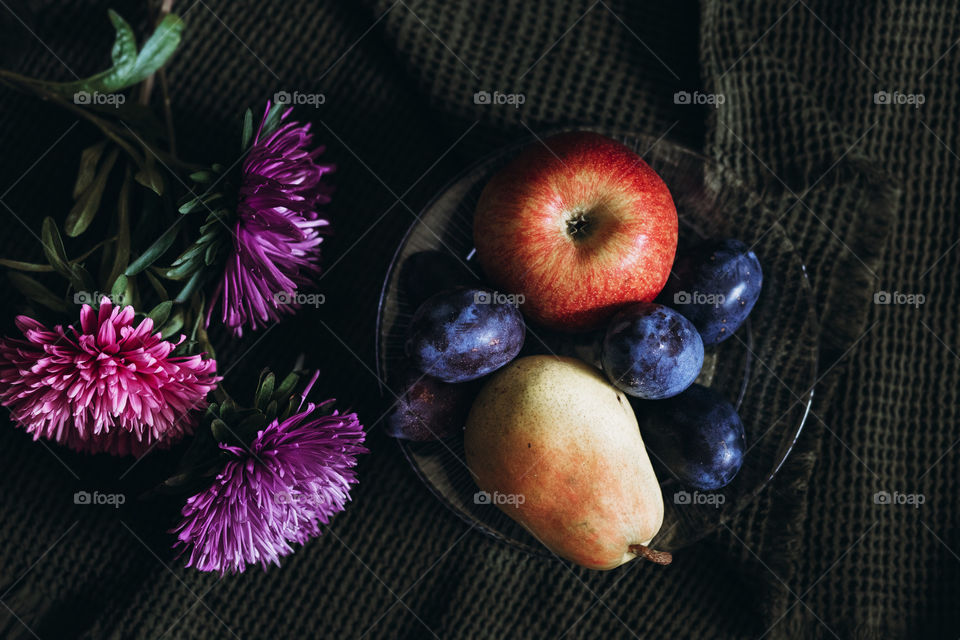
x,y
577,239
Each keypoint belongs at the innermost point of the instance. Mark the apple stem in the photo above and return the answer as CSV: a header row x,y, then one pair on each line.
x,y
658,557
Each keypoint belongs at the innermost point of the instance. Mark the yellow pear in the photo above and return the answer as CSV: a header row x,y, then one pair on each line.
x,y
559,451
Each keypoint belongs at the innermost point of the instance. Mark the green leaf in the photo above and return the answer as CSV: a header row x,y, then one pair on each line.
x,y
157,286
180,271
202,177
212,254
189,254
248,428
211,230
172,326
129,67
25,266
190,205
265,391
37,292
160,313
53,246
291,408
272,122
190,287
243,414
149,176
228,409
220,430
118,291
179,480
106,262
247,134
271,410
89,159
155,251
122,254
81,278
255,421
158,49
57,255
195,203
198,317
124,53
286,387
83,211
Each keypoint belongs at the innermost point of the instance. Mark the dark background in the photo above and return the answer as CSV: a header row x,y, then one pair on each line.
x,y
869,192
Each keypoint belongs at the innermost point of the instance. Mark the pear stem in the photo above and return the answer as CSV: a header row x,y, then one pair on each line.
x,y
658,557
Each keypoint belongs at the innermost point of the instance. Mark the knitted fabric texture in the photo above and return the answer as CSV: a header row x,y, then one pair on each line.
x,y
866,191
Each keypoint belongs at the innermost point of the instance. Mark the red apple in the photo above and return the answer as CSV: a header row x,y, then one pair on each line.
x,y
579,225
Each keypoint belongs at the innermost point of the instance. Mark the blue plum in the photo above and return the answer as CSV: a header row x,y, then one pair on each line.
x,y
650,351
425,273
696,435
464,334
428,409
715,286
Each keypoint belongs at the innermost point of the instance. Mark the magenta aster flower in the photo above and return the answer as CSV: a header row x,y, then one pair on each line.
x,y
277,232
294,477
109,387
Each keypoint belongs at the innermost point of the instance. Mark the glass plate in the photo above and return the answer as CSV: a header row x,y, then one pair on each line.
x,y
767,370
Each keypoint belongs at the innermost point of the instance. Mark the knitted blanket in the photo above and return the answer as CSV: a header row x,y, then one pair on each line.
x,y
864,185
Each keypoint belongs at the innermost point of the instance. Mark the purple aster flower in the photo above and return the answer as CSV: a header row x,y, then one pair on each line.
x,y
277,232
294,477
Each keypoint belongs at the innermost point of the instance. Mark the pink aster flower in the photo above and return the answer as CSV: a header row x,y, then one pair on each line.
x,y
110,386
277,234
294,477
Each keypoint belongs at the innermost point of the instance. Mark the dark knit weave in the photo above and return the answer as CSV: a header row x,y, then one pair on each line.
x,y
867,192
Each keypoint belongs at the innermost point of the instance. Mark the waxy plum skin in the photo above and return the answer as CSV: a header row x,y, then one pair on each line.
x,y
651,351
427,408
715,285
697,435
464,334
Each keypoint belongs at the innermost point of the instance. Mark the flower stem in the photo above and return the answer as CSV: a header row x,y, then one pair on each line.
x,y
146,89
123,137
19,265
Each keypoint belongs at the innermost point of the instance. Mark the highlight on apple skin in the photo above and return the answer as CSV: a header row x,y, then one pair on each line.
x,y
580,225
